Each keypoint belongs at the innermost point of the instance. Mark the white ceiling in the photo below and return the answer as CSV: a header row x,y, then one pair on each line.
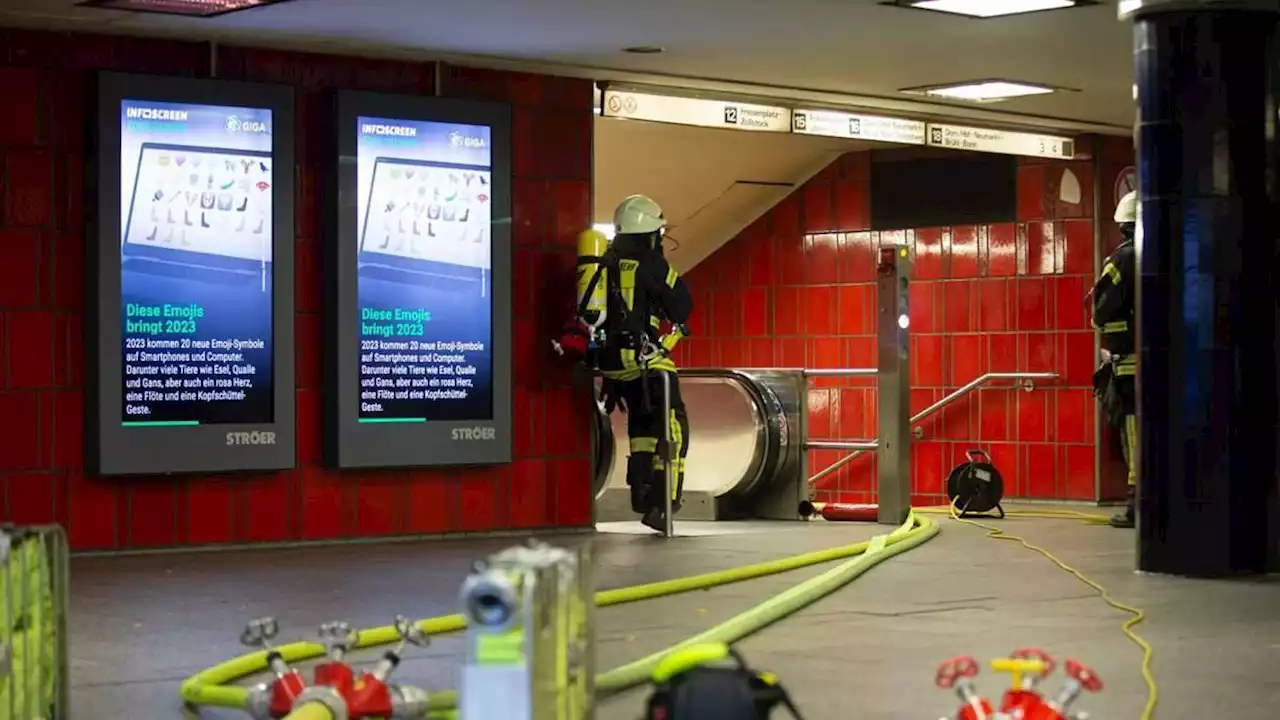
x,y
848,47
710,183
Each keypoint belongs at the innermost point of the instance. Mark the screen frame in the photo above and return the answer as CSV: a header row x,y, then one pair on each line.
x,y
111,448
348,442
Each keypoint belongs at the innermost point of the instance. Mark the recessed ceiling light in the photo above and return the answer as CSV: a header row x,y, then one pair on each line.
x,y
982,90
991,8
643,50
188,8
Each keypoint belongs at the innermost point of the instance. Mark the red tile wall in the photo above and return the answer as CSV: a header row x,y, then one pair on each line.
x,y
46,80
797,288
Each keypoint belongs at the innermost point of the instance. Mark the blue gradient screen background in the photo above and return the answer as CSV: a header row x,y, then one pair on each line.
x,y
196,247
424,261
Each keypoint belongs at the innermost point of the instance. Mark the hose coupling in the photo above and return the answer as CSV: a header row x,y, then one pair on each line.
x,y
326,696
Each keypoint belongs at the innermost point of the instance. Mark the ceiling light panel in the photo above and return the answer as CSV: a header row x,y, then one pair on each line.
x,y
187,8
992,8
983,91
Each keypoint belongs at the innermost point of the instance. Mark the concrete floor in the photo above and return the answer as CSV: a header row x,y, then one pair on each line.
x,y
141,624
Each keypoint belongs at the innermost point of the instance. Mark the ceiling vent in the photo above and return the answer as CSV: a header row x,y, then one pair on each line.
x,y
187,8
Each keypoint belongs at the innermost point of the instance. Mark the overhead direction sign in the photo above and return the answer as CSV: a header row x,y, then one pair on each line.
x,y
830,123
696,111
1006,142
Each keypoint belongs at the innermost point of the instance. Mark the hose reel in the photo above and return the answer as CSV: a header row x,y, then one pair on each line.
x,y
976,487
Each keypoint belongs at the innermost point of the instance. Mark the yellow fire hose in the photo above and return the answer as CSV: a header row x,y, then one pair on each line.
x,y
210,687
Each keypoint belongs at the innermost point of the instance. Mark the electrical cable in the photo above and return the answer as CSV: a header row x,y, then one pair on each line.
x,y
211,687
996,533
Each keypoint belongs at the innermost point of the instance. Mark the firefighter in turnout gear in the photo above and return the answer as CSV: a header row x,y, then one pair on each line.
x,y
1113,295
644,292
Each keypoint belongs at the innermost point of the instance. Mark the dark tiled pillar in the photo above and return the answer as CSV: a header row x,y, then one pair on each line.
x,y
1207,76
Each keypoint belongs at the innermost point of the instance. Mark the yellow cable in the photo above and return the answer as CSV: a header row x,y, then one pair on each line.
x,y
995,533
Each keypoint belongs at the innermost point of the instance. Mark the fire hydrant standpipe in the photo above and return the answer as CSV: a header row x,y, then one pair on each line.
x,y
210,687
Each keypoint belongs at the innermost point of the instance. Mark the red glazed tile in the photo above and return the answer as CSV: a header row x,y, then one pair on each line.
x,y
432,507
1068,204
853,204
1071,311
527,499
958,306
925,309
308,271
756,312
1031,310
819,215
151,513
821,410
1041,479
928,474
530,200
322,504
1076,414
855,308
855,421
1031,192
572,211
857,257
825,353
1039,253
784,218
1033,415
1002,352
19,267
927,262
733,352
822,259
269,500
1075,467
1037,352
788,253
68,430
31,349
32,498
1076,358
820,310
996,408
567,411
29,196
958,421
994,307
573,497
726,313
789,352
968,358
1002,250
760,353
478,494
922,398
759,249
378,501
1077,240
788,309
308,361
928,358
964,252
91,512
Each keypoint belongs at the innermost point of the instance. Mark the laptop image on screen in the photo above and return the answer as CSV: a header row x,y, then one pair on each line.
x,y
428,223
200,213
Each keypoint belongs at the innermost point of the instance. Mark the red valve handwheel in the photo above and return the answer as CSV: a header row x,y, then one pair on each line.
x,y
954,669
1035,654
1084,675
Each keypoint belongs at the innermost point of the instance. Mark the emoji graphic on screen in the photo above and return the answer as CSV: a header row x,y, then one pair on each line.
x,y
181,160
224,201
207,200
244,204
263,185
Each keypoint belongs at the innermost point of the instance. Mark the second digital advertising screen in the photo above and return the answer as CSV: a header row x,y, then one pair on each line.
x,y
418,357
424,270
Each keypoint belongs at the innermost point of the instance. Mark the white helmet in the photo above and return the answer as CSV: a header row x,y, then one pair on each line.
x,y
638,215
1127,208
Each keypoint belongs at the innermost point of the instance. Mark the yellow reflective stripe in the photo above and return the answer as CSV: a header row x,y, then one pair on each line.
x,y
662,363
623,375
677,445
628,358
1124,368
655,321
1131,440
644,444
669,340
659,464
672,277
1118,326
627,281
1111,271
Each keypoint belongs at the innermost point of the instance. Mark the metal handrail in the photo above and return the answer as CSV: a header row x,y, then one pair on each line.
x,y
944,402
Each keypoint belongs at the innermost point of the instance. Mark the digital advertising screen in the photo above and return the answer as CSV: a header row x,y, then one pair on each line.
x,y
193,264
421,252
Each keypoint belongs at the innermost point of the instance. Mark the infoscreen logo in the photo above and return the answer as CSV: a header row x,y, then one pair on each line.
x,y
146,113
388,130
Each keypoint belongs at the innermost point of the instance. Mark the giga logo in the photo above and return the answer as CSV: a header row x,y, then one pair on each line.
x,y
235,124
457,139
475,433
251,438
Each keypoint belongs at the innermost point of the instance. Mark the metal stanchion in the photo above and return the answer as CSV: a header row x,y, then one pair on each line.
x,y
894,380
669,474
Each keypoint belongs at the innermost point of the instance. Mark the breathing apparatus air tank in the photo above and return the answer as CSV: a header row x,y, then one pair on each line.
x,y
593,276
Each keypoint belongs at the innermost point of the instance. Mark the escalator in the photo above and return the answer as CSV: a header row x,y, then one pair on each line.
x,y
745,457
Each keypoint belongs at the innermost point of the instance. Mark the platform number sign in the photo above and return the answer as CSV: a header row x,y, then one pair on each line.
x,y
730,115
855,126
800,121
935,136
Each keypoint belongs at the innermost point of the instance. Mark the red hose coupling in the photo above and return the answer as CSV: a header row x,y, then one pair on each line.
x,y
284,691
368,697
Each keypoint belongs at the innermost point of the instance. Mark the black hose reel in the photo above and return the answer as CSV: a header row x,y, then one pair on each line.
x,y
976,487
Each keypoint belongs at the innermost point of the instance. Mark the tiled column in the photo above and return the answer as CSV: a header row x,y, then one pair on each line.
x,y
1208,75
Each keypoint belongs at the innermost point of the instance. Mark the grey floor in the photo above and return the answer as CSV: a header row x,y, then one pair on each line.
x,y
141,624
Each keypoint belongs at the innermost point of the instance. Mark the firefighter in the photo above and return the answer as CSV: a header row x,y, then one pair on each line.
x,y
1113,296
644,292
